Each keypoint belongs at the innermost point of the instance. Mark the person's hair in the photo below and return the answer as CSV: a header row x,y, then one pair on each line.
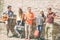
x,y
42,13
20,11
9,6
49,8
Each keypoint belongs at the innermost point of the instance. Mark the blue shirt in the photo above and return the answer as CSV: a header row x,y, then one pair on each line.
x,y
10,13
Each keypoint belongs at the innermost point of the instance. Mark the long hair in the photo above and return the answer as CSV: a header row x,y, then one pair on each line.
x,y
20,11
42,14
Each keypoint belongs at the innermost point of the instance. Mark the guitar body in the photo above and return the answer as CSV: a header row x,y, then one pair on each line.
x,y
5,17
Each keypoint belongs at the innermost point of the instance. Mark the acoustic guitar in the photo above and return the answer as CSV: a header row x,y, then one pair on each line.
x,y
4,17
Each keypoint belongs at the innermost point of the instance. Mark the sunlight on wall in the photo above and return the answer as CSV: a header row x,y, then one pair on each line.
x,y
36,5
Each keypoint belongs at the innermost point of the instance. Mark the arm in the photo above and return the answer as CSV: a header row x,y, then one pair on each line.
x,y
55,16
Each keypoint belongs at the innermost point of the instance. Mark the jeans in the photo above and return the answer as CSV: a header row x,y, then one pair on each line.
x,y
16,26
39,28
18,22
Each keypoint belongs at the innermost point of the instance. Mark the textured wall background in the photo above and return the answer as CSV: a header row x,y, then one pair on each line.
x,y
36,5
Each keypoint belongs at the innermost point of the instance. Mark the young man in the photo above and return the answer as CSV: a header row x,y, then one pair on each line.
x,y
49,24
9,12
29,16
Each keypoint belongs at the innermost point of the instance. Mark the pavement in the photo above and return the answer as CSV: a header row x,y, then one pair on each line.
x,y
3,34
4,37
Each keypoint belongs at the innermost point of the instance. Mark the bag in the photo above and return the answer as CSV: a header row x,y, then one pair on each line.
x,y
36,33
22,24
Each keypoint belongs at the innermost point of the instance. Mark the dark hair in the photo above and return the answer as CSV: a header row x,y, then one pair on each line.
x,y
49,8
43,14
9,6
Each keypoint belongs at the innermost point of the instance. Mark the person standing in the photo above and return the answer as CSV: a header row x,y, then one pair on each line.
x,y
42,13
39,24
49,24
19,21
9,12
29,16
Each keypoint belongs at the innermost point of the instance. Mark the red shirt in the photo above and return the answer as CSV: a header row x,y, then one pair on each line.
x,y
50,17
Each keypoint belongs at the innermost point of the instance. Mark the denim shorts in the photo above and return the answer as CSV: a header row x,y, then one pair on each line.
x,y
18,22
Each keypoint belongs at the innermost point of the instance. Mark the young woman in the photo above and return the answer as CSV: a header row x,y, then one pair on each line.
x,y
19,21
39,23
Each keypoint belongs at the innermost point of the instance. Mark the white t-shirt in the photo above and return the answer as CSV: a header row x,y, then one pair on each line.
x,y
18,18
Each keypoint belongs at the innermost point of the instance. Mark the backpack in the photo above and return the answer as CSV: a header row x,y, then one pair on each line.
x,y
36,33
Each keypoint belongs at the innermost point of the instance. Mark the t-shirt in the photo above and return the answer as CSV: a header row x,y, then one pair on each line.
x,y
29,18
10,13
39,20
20,19
50,17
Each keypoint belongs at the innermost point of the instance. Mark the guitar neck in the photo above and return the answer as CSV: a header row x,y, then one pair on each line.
x,y
2,22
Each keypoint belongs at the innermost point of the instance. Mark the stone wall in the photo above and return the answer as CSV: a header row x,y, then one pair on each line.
x,y
1,6
36,5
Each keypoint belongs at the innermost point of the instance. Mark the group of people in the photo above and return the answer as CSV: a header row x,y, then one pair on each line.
x,y
27,19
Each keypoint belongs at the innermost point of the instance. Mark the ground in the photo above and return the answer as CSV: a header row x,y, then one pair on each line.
x,y
3,33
